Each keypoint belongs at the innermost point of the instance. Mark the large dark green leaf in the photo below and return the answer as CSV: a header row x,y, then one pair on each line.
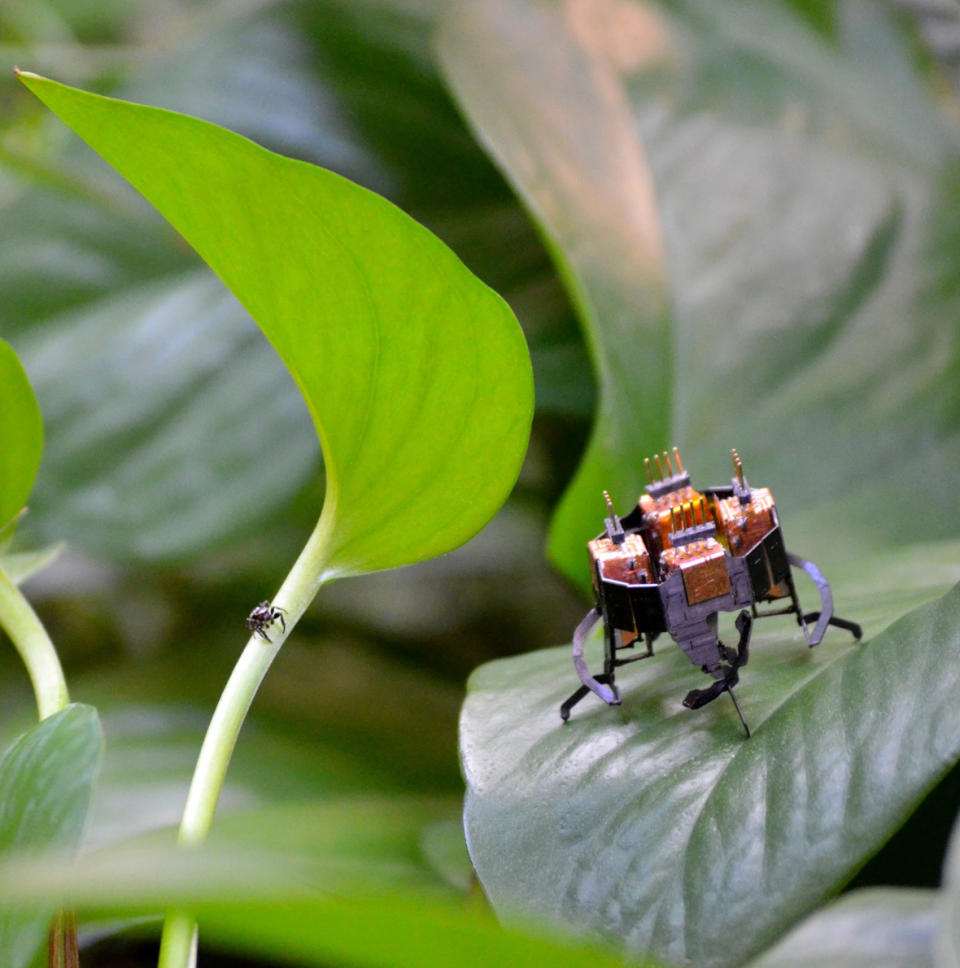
x,y
46,778
665,830
758,226
761,218
21,436
417,375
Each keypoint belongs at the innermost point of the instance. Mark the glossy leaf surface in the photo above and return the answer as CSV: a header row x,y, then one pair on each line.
x,y
47,779
758,225
650,824
416,374
21,436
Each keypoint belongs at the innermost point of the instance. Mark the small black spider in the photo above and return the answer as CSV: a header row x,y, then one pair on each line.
x,y
262,617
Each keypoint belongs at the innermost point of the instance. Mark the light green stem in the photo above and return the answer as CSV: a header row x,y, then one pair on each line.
x,y
178,944
29,636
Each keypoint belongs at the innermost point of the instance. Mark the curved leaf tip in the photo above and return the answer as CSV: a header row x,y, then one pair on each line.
x,y
416,374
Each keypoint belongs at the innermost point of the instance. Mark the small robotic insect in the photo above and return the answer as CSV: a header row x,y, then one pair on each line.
x,y
262,617
677,560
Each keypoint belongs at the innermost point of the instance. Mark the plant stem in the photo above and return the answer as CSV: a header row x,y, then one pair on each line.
x,y
30,638
178,944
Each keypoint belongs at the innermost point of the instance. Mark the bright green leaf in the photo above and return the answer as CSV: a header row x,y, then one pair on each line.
x,y
389,933
864,929
21,437
757,224
92,281
651,825
336,901
417,375
46,778
282,909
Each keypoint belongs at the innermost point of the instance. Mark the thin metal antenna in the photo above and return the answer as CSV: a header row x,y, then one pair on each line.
x,y
606,497
740,714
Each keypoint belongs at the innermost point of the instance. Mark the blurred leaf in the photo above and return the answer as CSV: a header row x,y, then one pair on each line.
x,y
47,778
333,718
349,846
306,868
389,833
392,933
170,388
21,437
152,750
444,849
21,565
649,825
415,373
865,929
280,908
948,947
797,191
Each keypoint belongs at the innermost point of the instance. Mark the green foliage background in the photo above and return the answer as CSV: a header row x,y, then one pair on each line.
x,y
180,463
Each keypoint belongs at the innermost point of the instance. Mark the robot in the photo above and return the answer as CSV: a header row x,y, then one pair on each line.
x,y
677,560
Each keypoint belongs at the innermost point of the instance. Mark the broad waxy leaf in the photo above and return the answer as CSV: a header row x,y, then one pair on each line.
x,y
863,929
769,215
47,779
21,437
416,374
667,831
758,226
